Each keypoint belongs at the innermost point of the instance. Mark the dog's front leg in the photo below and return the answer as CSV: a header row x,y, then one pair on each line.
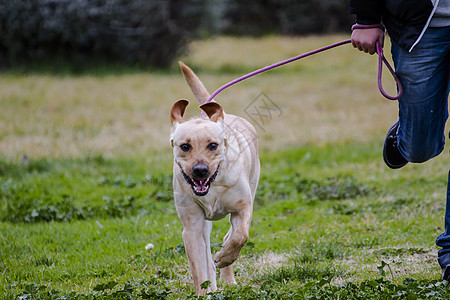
x,y
198,250
237,237
196,237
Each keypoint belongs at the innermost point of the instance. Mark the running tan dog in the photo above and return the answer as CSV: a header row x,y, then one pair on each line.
x,y
215,173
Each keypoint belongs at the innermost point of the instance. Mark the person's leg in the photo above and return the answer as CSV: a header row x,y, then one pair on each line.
x,y
443,240
424,74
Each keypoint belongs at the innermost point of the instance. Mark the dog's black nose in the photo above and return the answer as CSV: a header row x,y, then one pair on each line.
x,y
200,170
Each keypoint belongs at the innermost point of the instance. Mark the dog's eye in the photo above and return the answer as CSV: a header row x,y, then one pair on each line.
x,y
185,147
213,146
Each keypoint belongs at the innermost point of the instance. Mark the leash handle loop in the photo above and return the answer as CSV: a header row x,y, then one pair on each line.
x,y
362,26
381,60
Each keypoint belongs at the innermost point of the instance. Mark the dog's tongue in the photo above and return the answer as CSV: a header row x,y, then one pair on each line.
x,y
200,185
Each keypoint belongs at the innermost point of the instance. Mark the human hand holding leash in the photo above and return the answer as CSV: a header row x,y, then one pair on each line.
x,y
365,37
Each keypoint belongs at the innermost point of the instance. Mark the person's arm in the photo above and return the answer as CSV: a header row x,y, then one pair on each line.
x,y
368,12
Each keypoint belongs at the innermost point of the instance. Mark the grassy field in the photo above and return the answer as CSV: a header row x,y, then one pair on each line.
x,y
85,182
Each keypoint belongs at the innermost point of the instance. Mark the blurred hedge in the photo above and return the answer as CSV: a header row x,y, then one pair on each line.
x,y
147,32
287,17
139,31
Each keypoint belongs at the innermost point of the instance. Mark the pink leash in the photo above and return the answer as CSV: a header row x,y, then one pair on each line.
x,y
381,60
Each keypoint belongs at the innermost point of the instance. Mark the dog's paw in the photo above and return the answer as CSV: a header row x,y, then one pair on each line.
x,y
227,275
224,258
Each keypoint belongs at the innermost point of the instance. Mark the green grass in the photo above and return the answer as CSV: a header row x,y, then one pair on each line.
x,y
68,230
85,183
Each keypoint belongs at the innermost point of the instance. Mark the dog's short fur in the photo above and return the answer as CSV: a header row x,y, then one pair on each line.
x,y
215,173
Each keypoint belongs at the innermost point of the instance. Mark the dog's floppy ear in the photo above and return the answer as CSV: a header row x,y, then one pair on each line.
x,y
177,111
176,115
213,110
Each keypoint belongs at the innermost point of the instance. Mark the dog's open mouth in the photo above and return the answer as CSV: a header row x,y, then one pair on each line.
x,y
200,186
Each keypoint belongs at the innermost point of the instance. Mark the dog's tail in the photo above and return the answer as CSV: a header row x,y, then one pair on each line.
x,y
197,87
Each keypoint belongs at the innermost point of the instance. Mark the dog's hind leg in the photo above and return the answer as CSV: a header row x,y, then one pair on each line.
x,y
227,274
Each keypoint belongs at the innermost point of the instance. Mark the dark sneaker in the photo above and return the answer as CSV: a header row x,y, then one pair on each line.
x,y
444,262
391,155
446,273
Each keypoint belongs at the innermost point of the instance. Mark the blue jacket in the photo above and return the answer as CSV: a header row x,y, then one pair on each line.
x,y
405,20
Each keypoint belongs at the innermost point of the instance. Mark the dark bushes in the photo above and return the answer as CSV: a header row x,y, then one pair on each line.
x,y
287,17
133,32
147,32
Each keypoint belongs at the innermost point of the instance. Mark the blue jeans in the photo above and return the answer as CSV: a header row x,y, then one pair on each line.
x,y
425,76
